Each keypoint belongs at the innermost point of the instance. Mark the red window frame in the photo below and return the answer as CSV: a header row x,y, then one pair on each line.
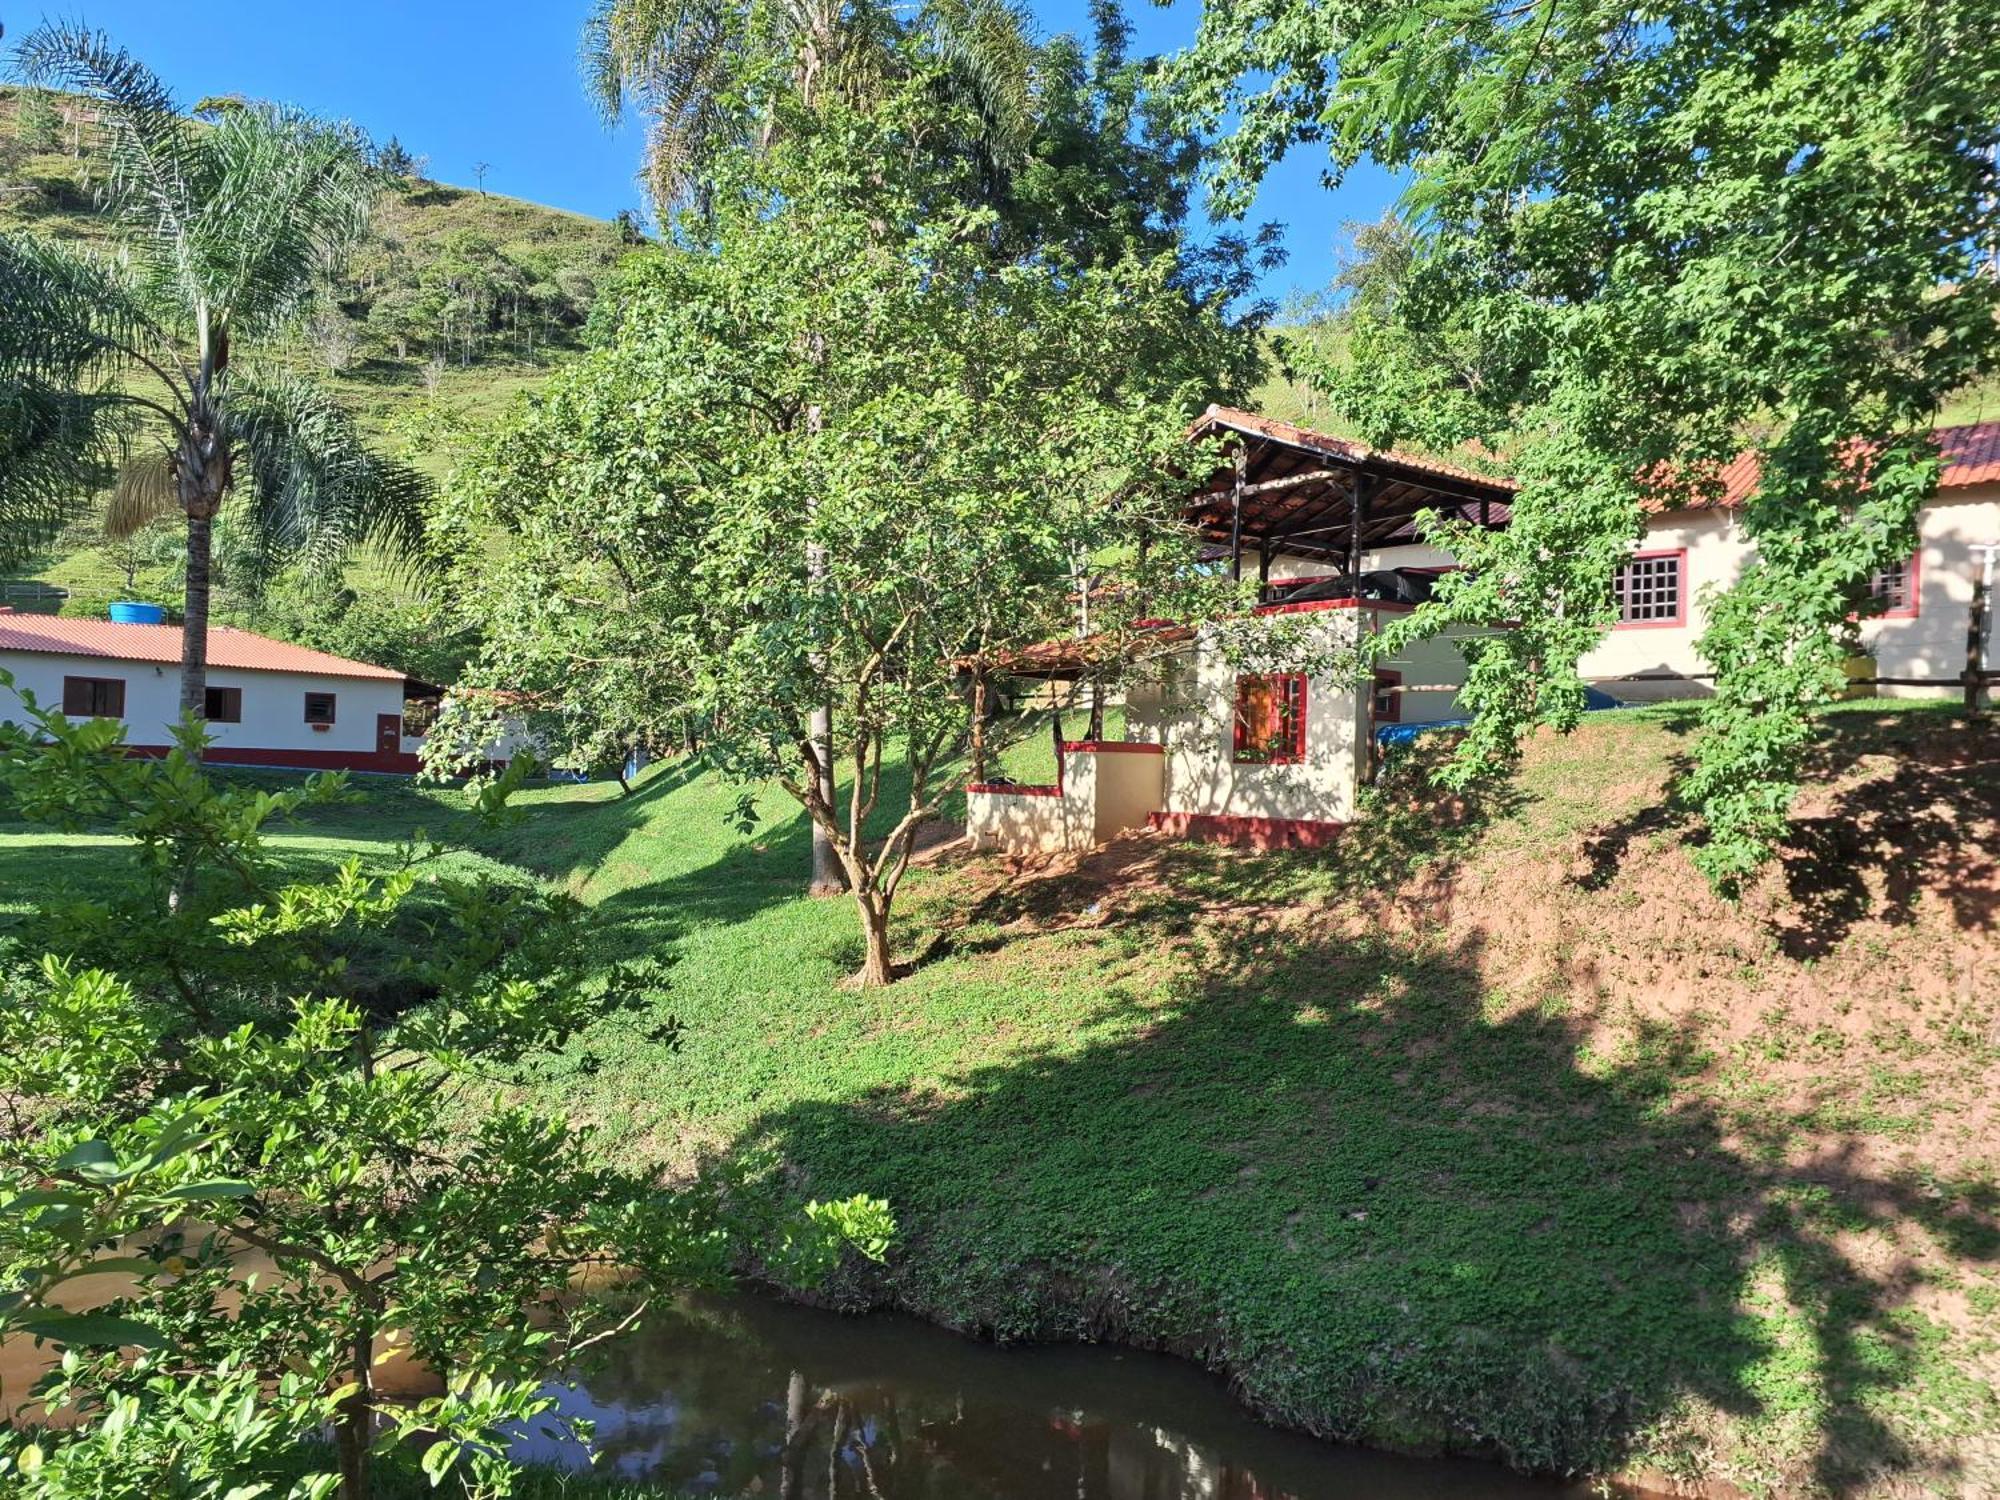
x,y
1269,724
331,701
81,695
1387,707
1679,617
222,705
1913,589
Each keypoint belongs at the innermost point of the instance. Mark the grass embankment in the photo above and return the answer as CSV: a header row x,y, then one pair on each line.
x,y
1487,1128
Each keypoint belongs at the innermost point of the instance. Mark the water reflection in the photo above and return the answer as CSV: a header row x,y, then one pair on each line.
x,y
743,1395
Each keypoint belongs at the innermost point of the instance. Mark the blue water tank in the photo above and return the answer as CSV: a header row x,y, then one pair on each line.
x,y
127,612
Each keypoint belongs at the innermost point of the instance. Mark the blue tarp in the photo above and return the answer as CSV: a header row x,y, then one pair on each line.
x,y
1402,734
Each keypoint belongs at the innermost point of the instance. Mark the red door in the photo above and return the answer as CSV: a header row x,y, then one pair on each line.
x,y
388,734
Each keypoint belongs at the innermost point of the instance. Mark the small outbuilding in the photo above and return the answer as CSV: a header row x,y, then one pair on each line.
x,y
269,703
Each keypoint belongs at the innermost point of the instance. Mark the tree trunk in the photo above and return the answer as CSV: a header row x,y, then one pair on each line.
x,y
876,968
828,878
978,727
353,1428
827,874
194,615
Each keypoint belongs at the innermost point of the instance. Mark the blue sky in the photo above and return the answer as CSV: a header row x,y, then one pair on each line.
x,y
495,81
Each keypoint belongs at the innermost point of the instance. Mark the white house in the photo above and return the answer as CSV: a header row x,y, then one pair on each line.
x,y
269,703
1329,525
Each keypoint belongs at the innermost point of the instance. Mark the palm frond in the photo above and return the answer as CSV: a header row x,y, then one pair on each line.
x,y
143,492
231,221
71,319
672,59
289,197
315,489
57,449
157,167
990,57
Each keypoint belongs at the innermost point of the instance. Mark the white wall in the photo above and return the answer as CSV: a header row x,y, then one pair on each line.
x,y
1190,706
1716,552
273,702
1933,644
1930,645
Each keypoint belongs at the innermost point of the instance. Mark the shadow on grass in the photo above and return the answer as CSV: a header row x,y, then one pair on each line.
x,y
764,868
1910,826
1395,1213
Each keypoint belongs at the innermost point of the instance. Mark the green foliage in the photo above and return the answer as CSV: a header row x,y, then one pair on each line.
x,y
196,1084
408,628
1646,242
125,368
832,448
1063,1098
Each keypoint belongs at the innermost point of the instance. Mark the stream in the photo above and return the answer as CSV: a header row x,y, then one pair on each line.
x,y
742,1395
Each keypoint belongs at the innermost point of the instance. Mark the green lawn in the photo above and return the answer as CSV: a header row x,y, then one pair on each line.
x,y
1486,1128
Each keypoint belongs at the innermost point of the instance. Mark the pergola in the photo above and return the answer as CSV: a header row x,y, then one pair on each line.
x,y
1288,489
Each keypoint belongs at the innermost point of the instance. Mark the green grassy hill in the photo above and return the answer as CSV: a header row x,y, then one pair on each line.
x,y
1486,1128
459,303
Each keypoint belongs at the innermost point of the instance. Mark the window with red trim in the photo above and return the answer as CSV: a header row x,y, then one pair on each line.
x,y
1651,589
1270,726
319,708
1388,701
1895,589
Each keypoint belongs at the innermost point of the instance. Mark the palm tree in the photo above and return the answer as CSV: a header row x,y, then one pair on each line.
x,y
120,369
694,66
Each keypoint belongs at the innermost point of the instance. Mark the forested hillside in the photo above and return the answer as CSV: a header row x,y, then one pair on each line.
x,y
459,301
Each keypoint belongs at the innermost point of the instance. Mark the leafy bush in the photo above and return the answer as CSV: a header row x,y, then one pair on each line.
x,y
294,1184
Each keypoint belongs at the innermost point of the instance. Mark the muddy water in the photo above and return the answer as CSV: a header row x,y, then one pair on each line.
x,y
741,1395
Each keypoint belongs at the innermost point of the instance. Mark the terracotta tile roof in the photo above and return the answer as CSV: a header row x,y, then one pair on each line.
x,y
1971,456
161,644
1319,442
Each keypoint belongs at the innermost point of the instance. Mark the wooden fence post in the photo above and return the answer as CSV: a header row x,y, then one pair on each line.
x,y
1975,632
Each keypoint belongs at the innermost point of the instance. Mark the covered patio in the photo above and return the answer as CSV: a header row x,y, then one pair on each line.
x,y
1285,492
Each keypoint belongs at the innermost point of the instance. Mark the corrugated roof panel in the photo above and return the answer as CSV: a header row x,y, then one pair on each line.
x,y
239,650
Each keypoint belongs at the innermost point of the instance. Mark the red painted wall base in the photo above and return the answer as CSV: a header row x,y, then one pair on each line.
x,y
394,762
1258,833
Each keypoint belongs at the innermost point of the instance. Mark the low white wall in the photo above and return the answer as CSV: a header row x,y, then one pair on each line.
x,y
1114,786
273,702
1032,820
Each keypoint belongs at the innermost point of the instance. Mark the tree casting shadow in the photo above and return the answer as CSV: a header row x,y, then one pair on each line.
x,y
1326,1166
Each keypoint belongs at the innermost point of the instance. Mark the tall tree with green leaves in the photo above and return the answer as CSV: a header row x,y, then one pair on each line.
x,y
1646,238
968,432
715,76
129,371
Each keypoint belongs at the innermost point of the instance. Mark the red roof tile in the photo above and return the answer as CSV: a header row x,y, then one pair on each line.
x,y
1971,456
236,649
